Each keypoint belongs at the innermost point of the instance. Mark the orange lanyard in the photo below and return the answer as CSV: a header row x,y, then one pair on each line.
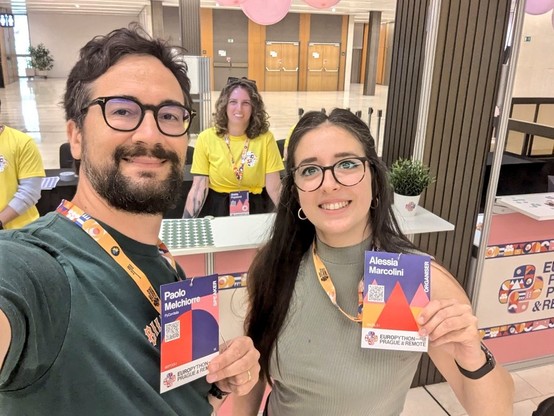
x,y
327,284
110,246
240,170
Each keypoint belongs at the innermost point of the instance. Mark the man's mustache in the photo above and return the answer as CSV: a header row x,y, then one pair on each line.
x,y
127,152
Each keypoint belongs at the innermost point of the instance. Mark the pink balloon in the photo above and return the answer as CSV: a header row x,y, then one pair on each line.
x,y
321,4
229,2
538,6
266,12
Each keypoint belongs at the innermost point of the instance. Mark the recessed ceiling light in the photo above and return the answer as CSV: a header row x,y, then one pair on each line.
x,y
333,10
77,6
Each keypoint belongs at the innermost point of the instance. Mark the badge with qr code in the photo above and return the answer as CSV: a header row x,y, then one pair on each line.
x,y
190,330
396,288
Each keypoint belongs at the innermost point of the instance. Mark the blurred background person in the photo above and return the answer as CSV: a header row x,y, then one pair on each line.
x,y
237,159
21,173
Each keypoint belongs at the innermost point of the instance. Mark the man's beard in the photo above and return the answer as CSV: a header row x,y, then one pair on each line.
x,y
121,192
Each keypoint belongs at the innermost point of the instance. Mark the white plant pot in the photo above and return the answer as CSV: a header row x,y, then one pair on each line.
x,y
30,72
406,205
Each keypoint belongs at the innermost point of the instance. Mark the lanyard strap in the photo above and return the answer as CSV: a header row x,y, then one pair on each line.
x,y
240,170
327,284
110,246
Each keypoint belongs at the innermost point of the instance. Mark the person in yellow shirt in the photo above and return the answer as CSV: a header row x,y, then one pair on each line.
x,y
21,173
237,162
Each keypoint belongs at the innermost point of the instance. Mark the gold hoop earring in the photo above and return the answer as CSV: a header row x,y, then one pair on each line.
x,y
300,212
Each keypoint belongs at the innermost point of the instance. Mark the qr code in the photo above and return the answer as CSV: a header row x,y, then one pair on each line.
x,y
376,293
172,331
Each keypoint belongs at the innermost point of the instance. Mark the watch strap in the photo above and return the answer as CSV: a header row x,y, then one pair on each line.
x,y
484,369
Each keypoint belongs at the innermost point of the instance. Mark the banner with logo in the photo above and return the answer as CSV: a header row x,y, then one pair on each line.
x,y
519,281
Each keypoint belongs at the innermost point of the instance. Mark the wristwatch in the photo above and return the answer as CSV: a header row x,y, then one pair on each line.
x,y
485,368
217,392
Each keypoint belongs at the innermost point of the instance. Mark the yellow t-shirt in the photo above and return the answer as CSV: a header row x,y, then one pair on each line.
x,y
19,159
213,159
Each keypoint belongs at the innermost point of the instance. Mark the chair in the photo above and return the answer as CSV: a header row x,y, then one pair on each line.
x,y
66,159
190,154
281,146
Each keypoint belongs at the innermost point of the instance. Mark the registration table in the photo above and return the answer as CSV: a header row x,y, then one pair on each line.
x,y
227,245
55,189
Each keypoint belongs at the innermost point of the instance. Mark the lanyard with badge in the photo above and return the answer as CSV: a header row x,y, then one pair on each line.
x,y
324,279
110,246
238,201
171,291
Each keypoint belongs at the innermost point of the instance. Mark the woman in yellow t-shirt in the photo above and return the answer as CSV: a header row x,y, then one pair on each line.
x,y
236,163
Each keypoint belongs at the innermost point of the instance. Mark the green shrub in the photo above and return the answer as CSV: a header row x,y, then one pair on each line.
x,y
409,177
41,59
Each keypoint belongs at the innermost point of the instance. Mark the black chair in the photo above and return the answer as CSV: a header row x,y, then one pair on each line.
x,y
281,146
190,154
66,159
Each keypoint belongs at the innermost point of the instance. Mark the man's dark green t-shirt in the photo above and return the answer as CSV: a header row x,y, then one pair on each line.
x,y
85,340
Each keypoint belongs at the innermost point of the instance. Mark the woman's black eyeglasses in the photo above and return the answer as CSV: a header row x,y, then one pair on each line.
x,y
347,172
126,114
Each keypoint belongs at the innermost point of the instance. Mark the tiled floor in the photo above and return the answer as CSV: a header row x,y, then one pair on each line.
x,y
33,106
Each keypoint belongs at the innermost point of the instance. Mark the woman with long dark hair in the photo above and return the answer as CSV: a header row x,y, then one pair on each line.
x,y
335,204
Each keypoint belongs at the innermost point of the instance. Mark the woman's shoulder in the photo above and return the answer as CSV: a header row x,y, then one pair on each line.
x,y
210,131
266,137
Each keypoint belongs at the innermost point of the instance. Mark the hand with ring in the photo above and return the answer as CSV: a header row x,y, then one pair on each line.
x,y
235,369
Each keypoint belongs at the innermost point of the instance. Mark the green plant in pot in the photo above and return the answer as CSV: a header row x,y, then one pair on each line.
x,y
41,59
409,178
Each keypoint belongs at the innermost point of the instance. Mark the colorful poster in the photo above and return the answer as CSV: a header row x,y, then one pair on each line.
x,y
190,330
521,284
396,288
239,203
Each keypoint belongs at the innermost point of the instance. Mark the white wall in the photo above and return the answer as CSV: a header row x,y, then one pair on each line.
x,y
66,34
535,66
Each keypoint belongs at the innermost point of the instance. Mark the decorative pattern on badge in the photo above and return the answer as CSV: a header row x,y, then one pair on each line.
x,y
187,233
519,249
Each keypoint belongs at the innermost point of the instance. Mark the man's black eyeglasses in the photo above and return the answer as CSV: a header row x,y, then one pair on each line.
x,y
126,114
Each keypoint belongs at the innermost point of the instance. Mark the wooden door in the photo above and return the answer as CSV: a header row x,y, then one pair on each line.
x,y
273,61
289,66
323,66
281,66
315,66
331,63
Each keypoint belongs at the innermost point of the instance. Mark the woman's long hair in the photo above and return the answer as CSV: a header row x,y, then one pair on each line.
x,y
258,123
273,273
